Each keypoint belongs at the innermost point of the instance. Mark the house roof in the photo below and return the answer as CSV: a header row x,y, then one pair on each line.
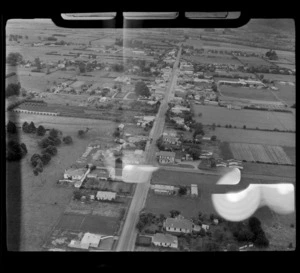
x,y
90,239
75,172
106,194
178,223
164,238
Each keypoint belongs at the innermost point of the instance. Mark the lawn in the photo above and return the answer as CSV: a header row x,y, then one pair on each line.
x,y
239,118
248,93
256,137
253,61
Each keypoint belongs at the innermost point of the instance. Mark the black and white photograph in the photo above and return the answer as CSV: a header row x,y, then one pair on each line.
x,y
150,139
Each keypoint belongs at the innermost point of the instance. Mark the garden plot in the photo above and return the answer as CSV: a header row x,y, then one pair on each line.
x,y
261,153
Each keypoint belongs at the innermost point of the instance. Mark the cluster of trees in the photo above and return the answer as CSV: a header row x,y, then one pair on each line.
x,y
145,219
252,232
198,129
32,129
13,89
14,58
15,37
272,55
15,151
182,190
141,89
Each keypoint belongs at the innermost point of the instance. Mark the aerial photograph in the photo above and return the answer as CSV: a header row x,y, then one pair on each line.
x,y
150,139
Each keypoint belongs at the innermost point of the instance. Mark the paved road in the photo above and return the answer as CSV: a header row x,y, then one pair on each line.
x,y
128,235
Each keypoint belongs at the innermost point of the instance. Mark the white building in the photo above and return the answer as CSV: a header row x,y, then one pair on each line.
x,y
165,240
178,225
106,195
194,190
74,174
163,189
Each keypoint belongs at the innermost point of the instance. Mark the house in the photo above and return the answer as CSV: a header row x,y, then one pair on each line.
x,y
194,190
90,240
165,157
206,138
163,189
216,221
171,140
74,174
121,126
205,227
178,225
106,195
165,240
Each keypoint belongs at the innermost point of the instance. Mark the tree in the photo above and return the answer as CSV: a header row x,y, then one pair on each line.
x,y
244,127
11,128
198,127
25,127
202,232
219,235
212,162
254,224
31,128
82,67
35,159
213,138
182,190
68,140
174,213
37,63
116,133
52,150
14,58
80,133
41,131
141,89
12,89
211,246
261,240
15,151
245,235
53,133
195,153
46,158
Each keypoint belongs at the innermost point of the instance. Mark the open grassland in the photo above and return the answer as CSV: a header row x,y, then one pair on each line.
x,y
261,153
249,118
255,137
248,93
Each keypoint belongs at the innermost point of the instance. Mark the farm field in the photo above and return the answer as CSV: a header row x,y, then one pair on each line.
x,y
291,153
287,93
253,61
279,77
257,152
266,169
210,60
239,118
248,93
255,137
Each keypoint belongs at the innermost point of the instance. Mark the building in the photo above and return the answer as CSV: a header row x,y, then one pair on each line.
x,y
121,126
106,195
171,140
178,225
205,227
166,157
165,240
194,190
74,174
163,189
90,240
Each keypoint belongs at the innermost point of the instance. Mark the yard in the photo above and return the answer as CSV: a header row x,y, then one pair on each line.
x,y
267,169
249,118
248,93
287,93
